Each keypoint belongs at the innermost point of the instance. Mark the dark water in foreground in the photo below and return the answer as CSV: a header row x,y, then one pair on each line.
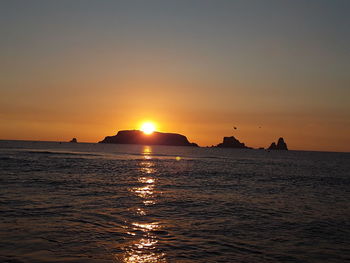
x,y
114,203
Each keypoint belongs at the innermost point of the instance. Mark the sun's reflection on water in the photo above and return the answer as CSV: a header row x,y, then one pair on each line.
x,y
147,150
146,180
144,191
142,253
146,167
149,202
140,211
144,247
146,227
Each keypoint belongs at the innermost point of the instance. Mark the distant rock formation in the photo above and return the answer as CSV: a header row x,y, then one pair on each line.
x,y
273,146
281,145
232,142
74,140
156,138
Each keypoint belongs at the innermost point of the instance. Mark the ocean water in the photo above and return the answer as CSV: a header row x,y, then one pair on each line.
x,y
129,203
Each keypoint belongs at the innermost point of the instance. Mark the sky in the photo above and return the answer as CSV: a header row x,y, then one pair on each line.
x,y
88,69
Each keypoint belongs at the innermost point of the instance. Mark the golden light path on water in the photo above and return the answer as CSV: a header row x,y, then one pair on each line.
x,y
144,249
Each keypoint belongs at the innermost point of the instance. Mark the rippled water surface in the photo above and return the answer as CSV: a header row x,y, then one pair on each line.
x,y
122,203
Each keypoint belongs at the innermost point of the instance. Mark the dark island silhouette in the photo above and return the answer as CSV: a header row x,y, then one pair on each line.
x,y
281,145
232,142
156,138
74,140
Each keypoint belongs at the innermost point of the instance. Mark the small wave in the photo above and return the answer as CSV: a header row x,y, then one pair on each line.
x,y
213,157
61,153
10,259
6,158
153,155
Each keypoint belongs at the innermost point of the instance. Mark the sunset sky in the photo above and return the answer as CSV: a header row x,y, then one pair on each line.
x,y
87,69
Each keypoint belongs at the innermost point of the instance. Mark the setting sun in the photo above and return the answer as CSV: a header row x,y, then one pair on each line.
x,y
148,128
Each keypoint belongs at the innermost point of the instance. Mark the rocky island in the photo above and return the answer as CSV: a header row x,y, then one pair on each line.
x,y
156,138
281,145
232,142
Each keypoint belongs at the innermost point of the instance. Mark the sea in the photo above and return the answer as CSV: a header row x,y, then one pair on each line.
x,y
82,202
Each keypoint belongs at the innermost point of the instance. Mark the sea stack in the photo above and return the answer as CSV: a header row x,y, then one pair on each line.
x,y
281,145
232,142
74,140
156,138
